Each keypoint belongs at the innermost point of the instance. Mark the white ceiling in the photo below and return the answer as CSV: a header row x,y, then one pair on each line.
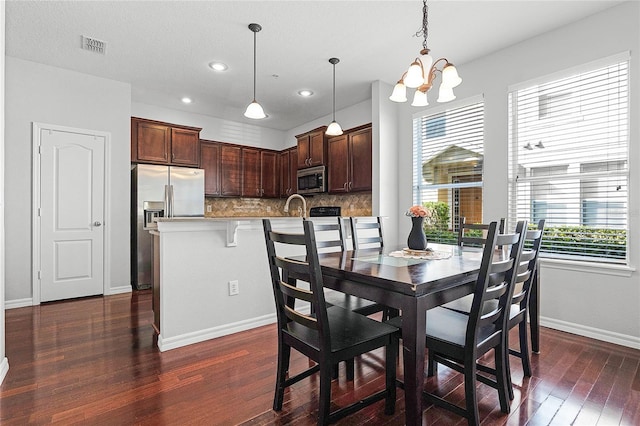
x,y
162,48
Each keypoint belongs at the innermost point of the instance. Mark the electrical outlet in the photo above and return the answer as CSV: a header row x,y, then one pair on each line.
x,y
209,208
234,288
268,208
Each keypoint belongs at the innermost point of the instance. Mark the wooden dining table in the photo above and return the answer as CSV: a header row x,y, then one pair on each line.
x,y
413,286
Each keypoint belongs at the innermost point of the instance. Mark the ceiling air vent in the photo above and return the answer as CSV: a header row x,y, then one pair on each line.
x,y
94,45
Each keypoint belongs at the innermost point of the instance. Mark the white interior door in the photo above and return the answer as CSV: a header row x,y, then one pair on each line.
x,y
71,213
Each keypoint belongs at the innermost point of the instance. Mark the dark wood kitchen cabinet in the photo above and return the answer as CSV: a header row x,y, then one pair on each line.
x,y
210,163
250,172
259,173
156,142
312,148
269,173
288,172
230,170
349,166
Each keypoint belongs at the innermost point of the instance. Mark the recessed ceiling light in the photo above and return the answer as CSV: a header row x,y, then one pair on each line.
x,y
186,100
218,66
305,93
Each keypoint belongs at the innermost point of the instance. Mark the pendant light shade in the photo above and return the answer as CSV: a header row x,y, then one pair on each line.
x,y
254,110
334,128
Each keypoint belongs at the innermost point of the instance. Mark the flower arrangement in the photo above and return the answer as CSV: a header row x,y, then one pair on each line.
x,y
419,211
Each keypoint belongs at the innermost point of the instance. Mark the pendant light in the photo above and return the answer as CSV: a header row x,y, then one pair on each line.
x,y
254,110
334,128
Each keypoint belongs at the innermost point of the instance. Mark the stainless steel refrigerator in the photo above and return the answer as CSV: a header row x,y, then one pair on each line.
x,y
159,191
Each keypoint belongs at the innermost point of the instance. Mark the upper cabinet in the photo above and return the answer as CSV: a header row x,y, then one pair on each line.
x,y
259,173
288,172
156,142
210,162
312,148
230,170
349,161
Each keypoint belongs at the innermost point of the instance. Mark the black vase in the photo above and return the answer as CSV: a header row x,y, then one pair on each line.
x,y
417,240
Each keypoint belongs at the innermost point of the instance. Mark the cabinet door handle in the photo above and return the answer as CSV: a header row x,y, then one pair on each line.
x,y
350,185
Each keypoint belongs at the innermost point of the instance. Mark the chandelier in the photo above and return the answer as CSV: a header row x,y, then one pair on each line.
x,y
422,73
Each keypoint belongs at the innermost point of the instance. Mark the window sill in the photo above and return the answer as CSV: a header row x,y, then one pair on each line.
x,y
586,266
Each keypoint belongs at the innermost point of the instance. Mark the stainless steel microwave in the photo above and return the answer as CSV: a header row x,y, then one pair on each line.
x,y
312,180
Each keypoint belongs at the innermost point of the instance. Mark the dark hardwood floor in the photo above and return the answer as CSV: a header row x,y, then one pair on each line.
x,y
95,361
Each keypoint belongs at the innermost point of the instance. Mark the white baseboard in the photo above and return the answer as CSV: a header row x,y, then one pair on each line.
x,y
591,332
212,333
18,303
119,290
4,369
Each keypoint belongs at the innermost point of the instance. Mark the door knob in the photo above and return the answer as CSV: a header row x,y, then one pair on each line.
x,y
96,223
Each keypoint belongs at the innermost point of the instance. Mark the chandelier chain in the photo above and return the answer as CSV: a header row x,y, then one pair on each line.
x,y
425,25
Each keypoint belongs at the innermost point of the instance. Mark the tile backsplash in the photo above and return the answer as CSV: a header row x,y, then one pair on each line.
x,y
355,204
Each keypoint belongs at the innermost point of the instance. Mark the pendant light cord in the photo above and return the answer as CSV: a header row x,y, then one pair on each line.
x,y
334,92
254,66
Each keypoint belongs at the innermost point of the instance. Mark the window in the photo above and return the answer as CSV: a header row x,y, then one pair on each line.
x,y
568,161
447,167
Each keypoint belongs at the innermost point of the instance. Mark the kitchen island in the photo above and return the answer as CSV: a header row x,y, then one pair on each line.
x,y
195,259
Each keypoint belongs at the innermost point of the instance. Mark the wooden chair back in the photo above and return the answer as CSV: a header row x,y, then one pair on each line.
x,y
285,274
474,234
366,233
495,281
528,266
330,236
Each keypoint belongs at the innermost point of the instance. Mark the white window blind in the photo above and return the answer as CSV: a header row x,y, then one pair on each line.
x,y
448,156
569,164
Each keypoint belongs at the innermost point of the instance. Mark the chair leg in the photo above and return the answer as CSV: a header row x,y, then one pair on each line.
x,y
500,357
471,397
350,364
325,393
524,348
507,366
390,376
284,354
432,366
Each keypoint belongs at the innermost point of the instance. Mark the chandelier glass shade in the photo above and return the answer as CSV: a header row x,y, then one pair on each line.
x,y
423,71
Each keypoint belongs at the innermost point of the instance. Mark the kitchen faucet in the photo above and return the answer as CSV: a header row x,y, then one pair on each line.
x,y
304,204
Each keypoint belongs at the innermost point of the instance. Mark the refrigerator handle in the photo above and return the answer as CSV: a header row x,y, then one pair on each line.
x,y
167,202
171,199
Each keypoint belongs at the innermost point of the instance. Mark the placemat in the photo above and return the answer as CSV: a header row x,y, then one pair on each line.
x,y
421,254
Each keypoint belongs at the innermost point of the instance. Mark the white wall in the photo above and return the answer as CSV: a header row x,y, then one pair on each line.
x,y
586,301
213,128
45,94
4,363
353,116
386,148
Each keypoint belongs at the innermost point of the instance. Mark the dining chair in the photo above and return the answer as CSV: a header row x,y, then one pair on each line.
x,y
474,234
519,309
332,237
459,340
330,335
366,233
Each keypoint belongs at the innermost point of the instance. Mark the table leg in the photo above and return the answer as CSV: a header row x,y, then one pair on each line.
x,y
534,311
413,346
